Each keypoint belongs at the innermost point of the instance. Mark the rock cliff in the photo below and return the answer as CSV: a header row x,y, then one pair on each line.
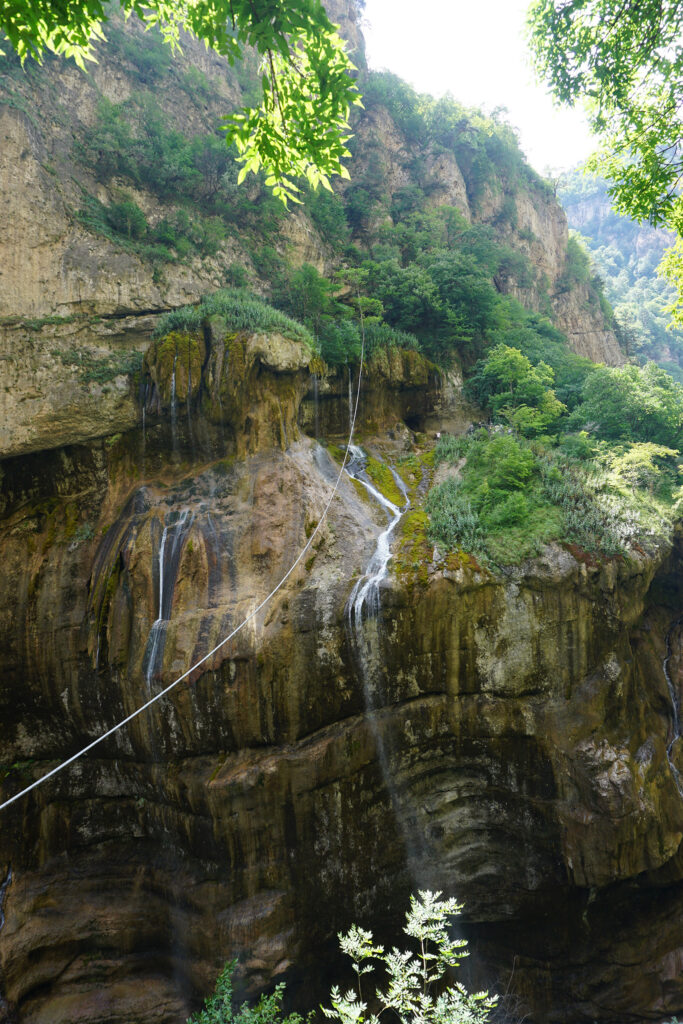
x,y
508,743
506,738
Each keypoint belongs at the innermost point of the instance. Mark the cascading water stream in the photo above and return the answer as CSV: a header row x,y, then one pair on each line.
x,y
365,594
316,424
3,892
170,550
676,722
362,625
174,410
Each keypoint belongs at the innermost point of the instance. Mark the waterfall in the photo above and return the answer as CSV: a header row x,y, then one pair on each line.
x,y
3,892
675,709
363,630
350,400
174,411
189,408
170,551
316,424
365,594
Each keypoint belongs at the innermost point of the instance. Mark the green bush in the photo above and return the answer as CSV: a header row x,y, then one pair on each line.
x,y
243,312
633,403
513,509
219,1008
414,989
149,58
340,342
512,496
454,522
577,268
450,448
127,218
514,390
326,210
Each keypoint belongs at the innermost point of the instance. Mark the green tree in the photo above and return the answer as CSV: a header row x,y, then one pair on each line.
x,y
624,60
641,464
507,383
413,990
127,218
301,125
633,404
308,296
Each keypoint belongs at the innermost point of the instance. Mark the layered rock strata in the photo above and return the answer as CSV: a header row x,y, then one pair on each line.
x,y
514,752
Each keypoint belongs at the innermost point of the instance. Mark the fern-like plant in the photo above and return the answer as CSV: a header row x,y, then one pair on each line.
x,y
414,987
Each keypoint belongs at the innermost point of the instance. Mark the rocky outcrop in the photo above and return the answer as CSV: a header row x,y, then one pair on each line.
x,y
508,744
515,754
50,263
53,263
578,314
539,230
398,387
68,381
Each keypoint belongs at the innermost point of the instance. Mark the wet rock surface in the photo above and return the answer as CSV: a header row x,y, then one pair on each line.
x,y
514,752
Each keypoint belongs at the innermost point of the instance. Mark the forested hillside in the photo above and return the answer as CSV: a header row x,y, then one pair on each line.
x,y
626,256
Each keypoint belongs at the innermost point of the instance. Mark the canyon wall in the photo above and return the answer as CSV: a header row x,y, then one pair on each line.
x,y
509,745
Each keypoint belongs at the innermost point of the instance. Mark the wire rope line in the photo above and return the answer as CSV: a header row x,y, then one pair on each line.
x,y
162,693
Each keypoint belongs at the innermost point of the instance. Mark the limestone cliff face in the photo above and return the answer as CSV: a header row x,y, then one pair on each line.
x,y
516,754
528,217
50,264
54,263
511,749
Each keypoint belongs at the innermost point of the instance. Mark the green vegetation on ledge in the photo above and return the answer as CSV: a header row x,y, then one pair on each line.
x,y
627,256
242,310
601,475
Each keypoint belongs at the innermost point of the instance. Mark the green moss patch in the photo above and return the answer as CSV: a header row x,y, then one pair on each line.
x,y
414,550
381,476
183,353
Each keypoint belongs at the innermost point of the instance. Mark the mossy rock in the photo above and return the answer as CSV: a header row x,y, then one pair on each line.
x,y
183,354
382,478
400,366
412,559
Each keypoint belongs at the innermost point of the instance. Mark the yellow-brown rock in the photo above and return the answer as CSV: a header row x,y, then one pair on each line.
x,y
516,756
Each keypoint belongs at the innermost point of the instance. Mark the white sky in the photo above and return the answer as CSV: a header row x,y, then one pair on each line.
x,y
475,50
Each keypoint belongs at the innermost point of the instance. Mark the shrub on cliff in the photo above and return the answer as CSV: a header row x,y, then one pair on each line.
x,y
413,988
633,403
507,383
242,311
511,496
218,1008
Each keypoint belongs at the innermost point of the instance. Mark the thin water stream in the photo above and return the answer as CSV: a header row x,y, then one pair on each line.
x,y
170,550
675,708
363,630
3,892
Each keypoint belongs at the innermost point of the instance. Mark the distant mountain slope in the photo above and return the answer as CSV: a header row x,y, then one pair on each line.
x,y
627,256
